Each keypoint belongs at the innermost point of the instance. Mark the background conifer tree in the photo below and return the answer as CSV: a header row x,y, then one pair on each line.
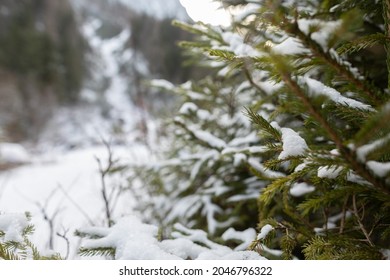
x,y
204,179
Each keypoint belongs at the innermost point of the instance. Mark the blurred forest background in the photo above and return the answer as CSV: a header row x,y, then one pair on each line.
x,y
75,93
46,61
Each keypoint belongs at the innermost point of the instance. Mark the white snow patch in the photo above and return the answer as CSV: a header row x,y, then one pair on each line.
x,y
162,84
250,150
12,225
188,108
354,71
329,225
243,197
134,240
317,88
380,169
238,47
290,46
365,150
204,115
208,138
224,71
248,139
265,230
67,185
262,79
300,189
300,167
238,159
293,144
255,163
329,172
13,153
324,29
248,10
199,163
246,237
196,95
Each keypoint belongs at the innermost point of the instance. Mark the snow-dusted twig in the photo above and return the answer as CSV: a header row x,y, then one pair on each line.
x,y
104,171
64,236
50,219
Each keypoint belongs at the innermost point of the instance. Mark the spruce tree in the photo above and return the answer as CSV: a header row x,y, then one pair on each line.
x,y
313,76
203,179
329,126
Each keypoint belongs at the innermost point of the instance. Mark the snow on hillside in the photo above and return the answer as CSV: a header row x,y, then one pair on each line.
x,y
157,8
105,114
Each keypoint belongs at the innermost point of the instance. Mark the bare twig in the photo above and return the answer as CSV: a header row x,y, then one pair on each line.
x,y
359,219
104,171
81,210
64,236
50,219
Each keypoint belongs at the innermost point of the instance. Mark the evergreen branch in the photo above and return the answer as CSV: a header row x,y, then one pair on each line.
x,y
194,45
29,229
93,252
288,243
286,77
375,127
199,29
201,140
277,186
83,234
35,252
226,55
348,154
263,124
361,43
6,253
338,248
302,225
342,70
359,220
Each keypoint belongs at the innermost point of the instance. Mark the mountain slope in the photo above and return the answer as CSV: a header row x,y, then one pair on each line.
x,y
157,8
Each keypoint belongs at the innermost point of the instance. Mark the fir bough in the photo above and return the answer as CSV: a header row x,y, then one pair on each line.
x,y
14,242
299,71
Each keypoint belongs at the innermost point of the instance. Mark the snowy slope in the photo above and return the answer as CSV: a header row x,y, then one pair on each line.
x,y
157,8
65,188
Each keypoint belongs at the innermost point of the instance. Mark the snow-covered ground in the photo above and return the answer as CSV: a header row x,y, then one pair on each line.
x,y
66,188
60,183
